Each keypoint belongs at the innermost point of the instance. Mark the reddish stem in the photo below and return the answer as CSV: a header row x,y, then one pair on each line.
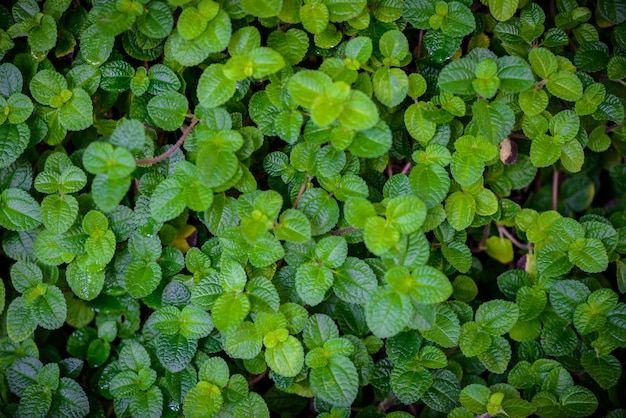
x,y
178,144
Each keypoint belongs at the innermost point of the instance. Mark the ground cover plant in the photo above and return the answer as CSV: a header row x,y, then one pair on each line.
x,y
296,207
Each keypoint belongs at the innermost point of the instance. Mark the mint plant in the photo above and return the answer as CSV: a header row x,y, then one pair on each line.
x,y
367,208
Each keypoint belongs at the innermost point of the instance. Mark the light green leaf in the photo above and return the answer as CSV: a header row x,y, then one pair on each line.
x,y
214,88
503,9
336,383
460,209
286,358
391,86
430,286
387,312
262,8
589,255
58,212
565,85
203,400
229,310
380,235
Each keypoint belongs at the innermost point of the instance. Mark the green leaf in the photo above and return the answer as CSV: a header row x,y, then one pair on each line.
x,y
578,401
406,213
77,113
457,254
168,110
387,312
495,120
245,342
49,309
142,278
430,286
460,209
312,282
394,45
46,85
473,340
286,357
606,370
565,85
85,285
391,86
544,151
205,399
215,165
589,255
514,74
430,182
321,209
496,358
20,321
18,210
167,200
533,101
353,281
418,126
195,322
229,310
315,17
459,21
292,44
502,9
214,88
103,158
262,8
444,393
337,382
13,142
475,397
497,317
371,142
380,235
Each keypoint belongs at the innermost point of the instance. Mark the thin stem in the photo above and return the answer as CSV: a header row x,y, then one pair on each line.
x,y
612,128
389,170
506,233
519,136
386,404
257,378
419,43
555,190
178,144
343,230
301,192
407,168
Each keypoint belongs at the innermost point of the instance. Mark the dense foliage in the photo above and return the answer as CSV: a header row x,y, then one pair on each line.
x,y
345,207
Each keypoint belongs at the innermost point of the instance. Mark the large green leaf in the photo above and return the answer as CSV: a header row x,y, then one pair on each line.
x,y
387,312
336,383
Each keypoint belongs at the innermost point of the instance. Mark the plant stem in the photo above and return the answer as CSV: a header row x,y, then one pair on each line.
x,y
301,192
178,144
407,168
506,233
343,230
257,378
555,189
419,44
